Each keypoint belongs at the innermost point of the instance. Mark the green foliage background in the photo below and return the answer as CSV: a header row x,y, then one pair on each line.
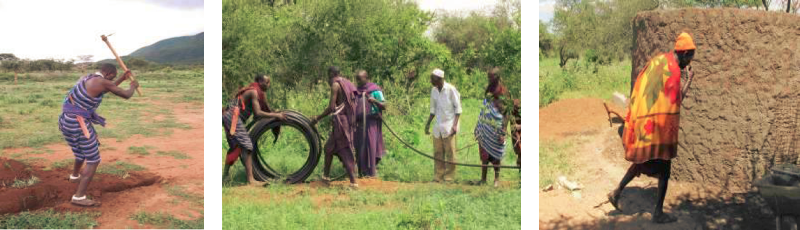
x,y
296,42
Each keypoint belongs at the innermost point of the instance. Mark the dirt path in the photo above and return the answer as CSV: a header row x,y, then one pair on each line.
x,y
598,163
179,176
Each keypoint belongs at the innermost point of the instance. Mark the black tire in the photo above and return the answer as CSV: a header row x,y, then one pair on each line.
x,y
262,170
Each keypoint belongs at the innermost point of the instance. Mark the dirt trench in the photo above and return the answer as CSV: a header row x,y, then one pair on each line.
x,y
53,187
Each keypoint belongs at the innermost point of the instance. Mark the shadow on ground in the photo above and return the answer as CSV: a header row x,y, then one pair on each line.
x,y
699,210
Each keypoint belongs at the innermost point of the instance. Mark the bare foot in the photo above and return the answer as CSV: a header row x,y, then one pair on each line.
x,y
496,183
258,183
353,186
326,181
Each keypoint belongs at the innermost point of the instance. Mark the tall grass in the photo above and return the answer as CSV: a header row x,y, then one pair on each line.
x,y
581,79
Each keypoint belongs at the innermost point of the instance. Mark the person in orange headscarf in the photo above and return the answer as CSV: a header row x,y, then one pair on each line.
x,y
650,131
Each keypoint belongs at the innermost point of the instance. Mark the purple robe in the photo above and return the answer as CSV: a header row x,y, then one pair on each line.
x,y
369,145
340,140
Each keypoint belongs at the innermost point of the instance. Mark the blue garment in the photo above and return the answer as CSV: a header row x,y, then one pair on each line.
x,y
489,130
84,105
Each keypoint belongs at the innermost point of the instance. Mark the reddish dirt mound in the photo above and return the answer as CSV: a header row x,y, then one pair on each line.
x,y
54,188
180,176
572,116
13,170
742,112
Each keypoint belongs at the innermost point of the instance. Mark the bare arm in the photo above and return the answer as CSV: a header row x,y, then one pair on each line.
x,y
253,95
501,107
335,88
685,88
123,78
455,124
428,124
111,87
380,105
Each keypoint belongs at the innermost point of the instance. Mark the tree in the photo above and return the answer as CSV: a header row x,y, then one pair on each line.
x,y
8,57
791,7
383,37
470,36
85,58
137,63
545,39
16,66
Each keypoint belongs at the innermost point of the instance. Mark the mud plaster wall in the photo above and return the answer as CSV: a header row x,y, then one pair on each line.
x,y
740,116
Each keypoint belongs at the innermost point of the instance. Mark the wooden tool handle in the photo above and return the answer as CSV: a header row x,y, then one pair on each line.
x,y
119,60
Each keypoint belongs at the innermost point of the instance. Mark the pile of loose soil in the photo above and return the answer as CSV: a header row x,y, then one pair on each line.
x,y
561,119
54,187
742,112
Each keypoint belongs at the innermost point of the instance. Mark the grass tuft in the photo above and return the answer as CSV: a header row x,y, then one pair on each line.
x,y
166,220
22,183
49,219
119,168
174,154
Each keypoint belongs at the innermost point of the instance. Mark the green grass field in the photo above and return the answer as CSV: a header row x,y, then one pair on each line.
x,y
581,79
31,108
30,111
49,219
417,205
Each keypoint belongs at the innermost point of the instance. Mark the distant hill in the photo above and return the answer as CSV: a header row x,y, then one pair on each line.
x,y
175,51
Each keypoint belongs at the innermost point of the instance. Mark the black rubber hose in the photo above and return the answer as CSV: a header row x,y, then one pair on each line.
x,y
261,169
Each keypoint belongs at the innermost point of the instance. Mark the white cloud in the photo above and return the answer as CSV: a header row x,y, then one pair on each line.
x,y
456,5
38,29
546,10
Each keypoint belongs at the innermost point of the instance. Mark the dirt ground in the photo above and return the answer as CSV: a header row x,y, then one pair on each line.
x,y
599,164
54,188
119,204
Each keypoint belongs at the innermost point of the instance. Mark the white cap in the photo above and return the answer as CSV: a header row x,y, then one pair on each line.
x,y
439,73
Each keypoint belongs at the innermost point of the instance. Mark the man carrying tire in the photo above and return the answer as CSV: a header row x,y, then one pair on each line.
x,y
248,100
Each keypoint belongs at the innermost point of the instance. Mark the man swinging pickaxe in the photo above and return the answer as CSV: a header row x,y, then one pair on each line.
x,y
78,116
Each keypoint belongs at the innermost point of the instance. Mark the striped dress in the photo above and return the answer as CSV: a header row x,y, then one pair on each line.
x,y
84,149
242,137
489,129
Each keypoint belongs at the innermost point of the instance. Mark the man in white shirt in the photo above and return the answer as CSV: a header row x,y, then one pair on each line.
x,y
446,107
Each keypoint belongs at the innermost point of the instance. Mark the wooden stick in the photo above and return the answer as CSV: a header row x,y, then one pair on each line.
x,y
119,60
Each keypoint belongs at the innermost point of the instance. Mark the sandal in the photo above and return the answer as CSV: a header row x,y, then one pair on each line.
x,y
74,179
84,202
613,200
663,218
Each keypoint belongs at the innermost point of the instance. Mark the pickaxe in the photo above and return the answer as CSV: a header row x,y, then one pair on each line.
x,y
119,60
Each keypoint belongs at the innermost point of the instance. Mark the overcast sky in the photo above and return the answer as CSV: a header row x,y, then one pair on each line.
x,y
38,29
455,5
450,5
